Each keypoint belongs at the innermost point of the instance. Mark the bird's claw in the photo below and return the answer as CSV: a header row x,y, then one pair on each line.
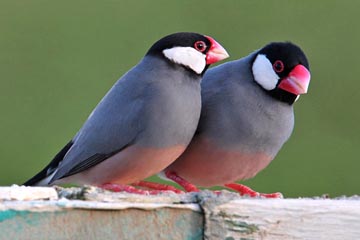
x,y
157,186
154,188
246,191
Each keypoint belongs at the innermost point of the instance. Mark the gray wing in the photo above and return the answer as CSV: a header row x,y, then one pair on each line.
x,y
113,125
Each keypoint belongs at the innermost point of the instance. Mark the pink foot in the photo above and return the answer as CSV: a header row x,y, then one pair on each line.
x,y
244,190
126,188
157,186
182,182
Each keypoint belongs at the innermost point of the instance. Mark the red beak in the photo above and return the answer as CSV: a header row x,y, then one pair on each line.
x,y
216,52
297,82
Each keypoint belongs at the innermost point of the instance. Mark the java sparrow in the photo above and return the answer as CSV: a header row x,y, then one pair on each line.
x,y
144,122
247,115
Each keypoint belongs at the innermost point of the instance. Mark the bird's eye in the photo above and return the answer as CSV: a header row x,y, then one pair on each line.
x,y
200,46
278,66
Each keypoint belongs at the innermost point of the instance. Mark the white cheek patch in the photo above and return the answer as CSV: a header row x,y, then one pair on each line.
x,y
264,73
187,56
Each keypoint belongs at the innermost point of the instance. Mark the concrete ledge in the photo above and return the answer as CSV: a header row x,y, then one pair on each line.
x,y
91,213
284,219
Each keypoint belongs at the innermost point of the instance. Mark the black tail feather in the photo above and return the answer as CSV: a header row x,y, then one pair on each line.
x,y
51,167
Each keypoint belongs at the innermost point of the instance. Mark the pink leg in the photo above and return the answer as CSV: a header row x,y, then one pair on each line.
x,y
244,190
182,182
126,188
157,186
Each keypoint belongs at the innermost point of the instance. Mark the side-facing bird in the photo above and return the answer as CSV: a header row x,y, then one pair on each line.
x,y
247,115
144,122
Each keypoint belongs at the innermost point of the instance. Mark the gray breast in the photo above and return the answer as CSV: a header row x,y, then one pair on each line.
x,y
173,107
239,115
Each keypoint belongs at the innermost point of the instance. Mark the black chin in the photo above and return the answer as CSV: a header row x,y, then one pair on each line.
x,y
283,96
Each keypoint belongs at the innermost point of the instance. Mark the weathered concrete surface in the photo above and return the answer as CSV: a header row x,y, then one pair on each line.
x,y
275,219
92,213
162,223
100,215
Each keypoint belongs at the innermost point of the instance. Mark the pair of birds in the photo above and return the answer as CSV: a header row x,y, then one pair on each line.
x,y
166,116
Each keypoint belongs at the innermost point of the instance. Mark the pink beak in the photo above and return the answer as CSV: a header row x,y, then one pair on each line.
x,y
216,52
297,82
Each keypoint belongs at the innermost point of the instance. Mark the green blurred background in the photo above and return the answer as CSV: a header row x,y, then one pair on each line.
x,y
58,58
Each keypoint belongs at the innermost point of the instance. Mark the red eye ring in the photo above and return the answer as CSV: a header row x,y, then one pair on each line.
x,y
200,46
278,66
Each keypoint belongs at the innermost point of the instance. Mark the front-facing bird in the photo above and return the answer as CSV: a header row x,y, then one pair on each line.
x,y
247,115
144,122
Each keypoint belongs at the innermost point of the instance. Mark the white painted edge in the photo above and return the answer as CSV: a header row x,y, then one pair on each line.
x,y
23,193
61,204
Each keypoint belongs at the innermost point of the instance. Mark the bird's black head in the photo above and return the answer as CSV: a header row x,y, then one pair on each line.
x,y
191,50
282,70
